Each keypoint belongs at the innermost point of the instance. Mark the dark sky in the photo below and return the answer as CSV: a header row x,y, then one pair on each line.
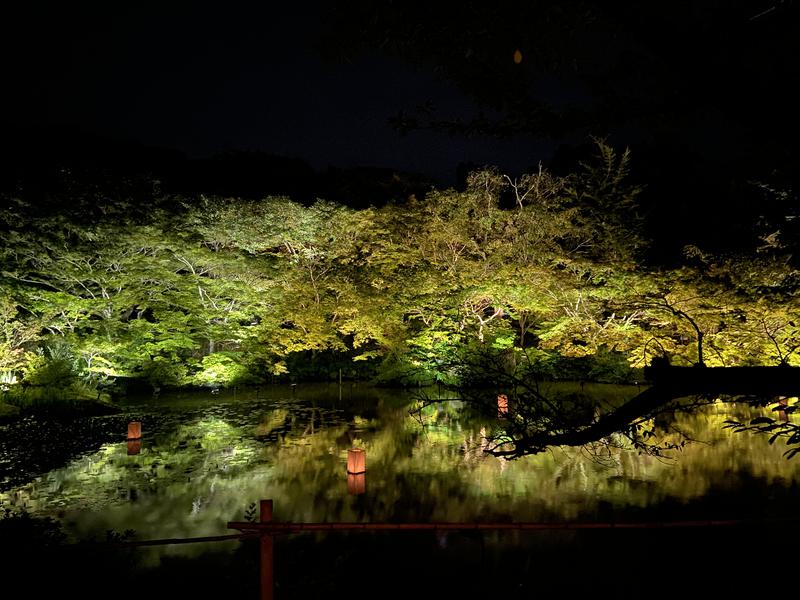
x,y
204,80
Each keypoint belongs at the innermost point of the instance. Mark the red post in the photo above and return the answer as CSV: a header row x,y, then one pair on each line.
x,y
266,553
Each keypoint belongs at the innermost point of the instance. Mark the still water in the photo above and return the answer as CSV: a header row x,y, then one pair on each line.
x,y
204,459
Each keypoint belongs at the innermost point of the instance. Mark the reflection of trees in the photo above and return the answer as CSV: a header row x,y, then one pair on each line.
x,y
574,481
537,421
775,428
434,465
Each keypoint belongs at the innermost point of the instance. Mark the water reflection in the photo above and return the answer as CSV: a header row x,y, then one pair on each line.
x,y
356,483
134,447
205,459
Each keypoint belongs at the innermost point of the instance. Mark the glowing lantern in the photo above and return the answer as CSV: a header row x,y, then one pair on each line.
x,y
356,483
517,56
135,430
502,405
356,461
134,447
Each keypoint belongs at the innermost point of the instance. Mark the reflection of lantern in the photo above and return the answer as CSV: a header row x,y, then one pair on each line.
x,y
356,483
782,404
135,430
134,447
502,405
356,461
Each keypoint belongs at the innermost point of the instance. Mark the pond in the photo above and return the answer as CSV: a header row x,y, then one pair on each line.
x,y
205,459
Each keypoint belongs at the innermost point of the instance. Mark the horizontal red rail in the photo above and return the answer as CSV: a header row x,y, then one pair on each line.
x,y
266,529
273,527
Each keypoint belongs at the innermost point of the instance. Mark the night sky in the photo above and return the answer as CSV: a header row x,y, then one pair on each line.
x,y
300,80
206,80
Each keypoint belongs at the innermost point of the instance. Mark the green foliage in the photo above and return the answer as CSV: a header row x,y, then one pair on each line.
x,y
607,206
222,369
227,291
52,377
54,366
162,372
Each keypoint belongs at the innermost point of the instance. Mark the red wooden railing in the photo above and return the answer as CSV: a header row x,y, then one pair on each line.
x,y
266,529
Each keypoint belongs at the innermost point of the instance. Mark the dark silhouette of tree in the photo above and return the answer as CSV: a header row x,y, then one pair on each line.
x,y
532,420
555,67
694,88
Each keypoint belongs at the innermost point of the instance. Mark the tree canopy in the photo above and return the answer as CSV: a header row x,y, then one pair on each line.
x,y
542,270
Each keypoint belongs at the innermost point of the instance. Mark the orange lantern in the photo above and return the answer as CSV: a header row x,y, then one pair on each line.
x,y
502,405
135,430
356,461
134,447
356,483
